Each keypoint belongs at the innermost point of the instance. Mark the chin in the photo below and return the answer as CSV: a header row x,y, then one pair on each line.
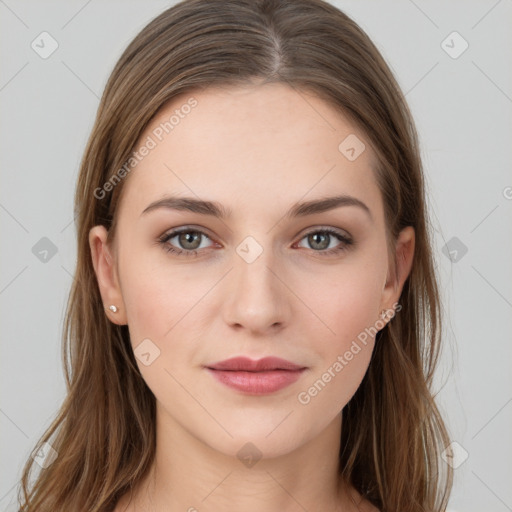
x,y
257,440
249,450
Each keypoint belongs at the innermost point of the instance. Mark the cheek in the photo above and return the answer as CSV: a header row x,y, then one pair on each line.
x,y
355,310
158,297
165,305
349,306
347,301
144,302
342,357
160,306
329,389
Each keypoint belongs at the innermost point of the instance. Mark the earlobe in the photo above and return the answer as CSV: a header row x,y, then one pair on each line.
x,y
106,275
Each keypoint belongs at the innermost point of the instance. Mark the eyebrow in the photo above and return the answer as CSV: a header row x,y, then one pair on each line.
x,y
216,209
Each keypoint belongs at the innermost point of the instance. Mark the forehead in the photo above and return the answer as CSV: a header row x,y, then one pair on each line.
x,y
253,143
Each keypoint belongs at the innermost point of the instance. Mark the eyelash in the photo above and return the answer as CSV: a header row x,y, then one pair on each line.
x,y
163,240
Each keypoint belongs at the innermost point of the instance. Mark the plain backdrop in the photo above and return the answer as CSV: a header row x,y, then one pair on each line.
x,y
459,88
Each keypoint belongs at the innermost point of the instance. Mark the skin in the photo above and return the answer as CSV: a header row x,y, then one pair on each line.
x,y
257,150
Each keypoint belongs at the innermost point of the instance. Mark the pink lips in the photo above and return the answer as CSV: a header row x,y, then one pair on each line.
x,y
264,376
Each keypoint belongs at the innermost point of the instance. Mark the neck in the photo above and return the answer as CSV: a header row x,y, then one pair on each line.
x,y
189,475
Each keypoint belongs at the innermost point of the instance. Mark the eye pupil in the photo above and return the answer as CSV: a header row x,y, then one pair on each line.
x,y
313,239
190,237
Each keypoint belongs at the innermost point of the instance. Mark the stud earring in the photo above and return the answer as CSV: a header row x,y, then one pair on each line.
x,y
112,308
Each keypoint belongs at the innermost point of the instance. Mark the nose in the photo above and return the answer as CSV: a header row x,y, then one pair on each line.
x,y
258,299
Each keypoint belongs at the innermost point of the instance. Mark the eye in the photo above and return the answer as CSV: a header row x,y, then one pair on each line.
x,y
320,241
188,241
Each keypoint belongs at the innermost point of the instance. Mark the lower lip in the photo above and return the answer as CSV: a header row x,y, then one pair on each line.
x,y
257,383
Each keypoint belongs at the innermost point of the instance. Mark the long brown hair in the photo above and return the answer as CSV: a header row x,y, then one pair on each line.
x,y
393,433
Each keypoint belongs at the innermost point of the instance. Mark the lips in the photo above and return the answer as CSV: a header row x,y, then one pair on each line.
x,y
248,365
267,375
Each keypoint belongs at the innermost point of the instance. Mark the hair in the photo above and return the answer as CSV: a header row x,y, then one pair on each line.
x,y
392,431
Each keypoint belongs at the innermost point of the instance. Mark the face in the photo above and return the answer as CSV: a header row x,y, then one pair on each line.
x,y
260,280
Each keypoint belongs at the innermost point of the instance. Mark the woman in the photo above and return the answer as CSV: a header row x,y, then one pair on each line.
x,y
254,322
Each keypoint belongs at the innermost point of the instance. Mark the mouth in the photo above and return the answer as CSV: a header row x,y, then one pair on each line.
x,y
267,375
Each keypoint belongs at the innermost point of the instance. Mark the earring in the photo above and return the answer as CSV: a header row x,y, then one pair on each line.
x,y
383,313
112,308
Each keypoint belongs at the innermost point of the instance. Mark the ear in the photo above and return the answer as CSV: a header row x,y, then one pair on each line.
x,y
404,254
106,274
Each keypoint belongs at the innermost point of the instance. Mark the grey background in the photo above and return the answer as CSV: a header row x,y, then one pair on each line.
x,y
462,107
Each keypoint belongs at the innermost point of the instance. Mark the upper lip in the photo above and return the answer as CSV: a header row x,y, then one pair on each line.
x,y
249,365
